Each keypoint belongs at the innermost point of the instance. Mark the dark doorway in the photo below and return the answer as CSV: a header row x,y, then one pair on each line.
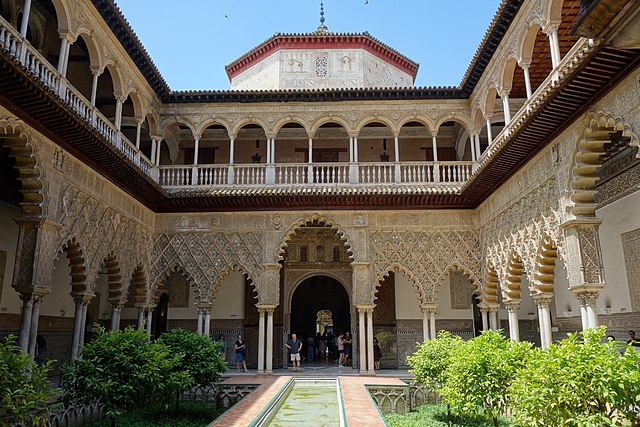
x,y
313,295
477,315
159,318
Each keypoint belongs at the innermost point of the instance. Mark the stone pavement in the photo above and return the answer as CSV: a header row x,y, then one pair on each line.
x,y
359,407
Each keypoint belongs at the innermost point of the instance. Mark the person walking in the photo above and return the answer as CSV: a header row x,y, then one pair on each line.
x,y
294,345
377,354
340,344
223,347
241,352
311,349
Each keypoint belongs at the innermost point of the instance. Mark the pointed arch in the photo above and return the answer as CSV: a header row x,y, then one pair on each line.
x,y
545,274
587,159
492,286
234,266
512,290
116,290
310,219
398,268
140,286
75,255
456,265
164,276
20,141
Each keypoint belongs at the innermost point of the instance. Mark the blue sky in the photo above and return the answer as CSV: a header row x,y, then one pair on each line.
x,y
192,43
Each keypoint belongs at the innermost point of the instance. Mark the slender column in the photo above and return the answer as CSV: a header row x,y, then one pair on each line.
x,y
350,149
149,321
273,150
588,306
119,102
370,364
94,85
493,319
355,149
115,317
544,320
25,321
425,323
154,147
477,145
207,321
434,147
26,11
268,150
140,318
527,79
232,146
158,147
200,321
505,107
484,312
269,367
362,340
396,148
33,332
83,324
63,56
552,33
514,328
310,177
489,132
432,323
77,329
474,156
196,149
138,129
261,320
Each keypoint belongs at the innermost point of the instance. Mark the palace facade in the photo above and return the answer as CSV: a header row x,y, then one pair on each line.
x,y
326,192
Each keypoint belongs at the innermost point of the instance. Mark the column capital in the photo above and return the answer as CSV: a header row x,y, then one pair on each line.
x,y
551,27
428,308
587,295
542,300
267,307
524,63
502,93
364,307
512,305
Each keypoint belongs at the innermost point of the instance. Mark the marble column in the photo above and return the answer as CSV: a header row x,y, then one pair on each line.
x,y
116,309
432,324
489,131
261,346
26,12
95,71
527,79
362,347
77,329
149,321
25,321
506,107
484,312
493,318
370,365
140,318
35,317
588,309
425,323
544,320
514,328
269,357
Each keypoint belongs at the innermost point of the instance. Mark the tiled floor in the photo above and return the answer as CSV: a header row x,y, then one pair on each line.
x,y
360,409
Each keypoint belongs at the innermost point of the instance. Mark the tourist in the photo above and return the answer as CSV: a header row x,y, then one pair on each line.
x,y
377,354
331,346
223,347
241,352
311,348
41,350
347,347
322,348
294,345
632,341
340,344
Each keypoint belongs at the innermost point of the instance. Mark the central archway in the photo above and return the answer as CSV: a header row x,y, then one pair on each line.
x,y
315,294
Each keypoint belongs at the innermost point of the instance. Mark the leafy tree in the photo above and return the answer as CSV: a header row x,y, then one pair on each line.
x,y
430,361
199,357
583,380
25,394
480,372
123,370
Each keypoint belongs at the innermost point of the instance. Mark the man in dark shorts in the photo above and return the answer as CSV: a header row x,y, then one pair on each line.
x,y
294,345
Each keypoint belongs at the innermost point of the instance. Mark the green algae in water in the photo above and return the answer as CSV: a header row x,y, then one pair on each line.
x,y
309,404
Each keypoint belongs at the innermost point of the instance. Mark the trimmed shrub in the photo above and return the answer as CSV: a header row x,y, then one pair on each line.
x,y
123,370
583,380
25,394
430,361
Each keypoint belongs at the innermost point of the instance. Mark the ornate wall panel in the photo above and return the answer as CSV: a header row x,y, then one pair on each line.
x,y
425,256
631,248
206,256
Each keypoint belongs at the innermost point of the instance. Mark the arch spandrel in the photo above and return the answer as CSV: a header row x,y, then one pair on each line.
x,y
472,276
397,268
287,234
233,267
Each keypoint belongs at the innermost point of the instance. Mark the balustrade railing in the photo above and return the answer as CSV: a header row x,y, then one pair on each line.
x,y
20,49
323,174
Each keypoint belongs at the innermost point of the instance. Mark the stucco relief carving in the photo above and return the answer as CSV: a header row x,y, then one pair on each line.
x,y
521,228
100,229
205,256
631,249
425,255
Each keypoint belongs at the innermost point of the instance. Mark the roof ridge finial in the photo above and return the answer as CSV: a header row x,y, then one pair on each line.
x,y
322,28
